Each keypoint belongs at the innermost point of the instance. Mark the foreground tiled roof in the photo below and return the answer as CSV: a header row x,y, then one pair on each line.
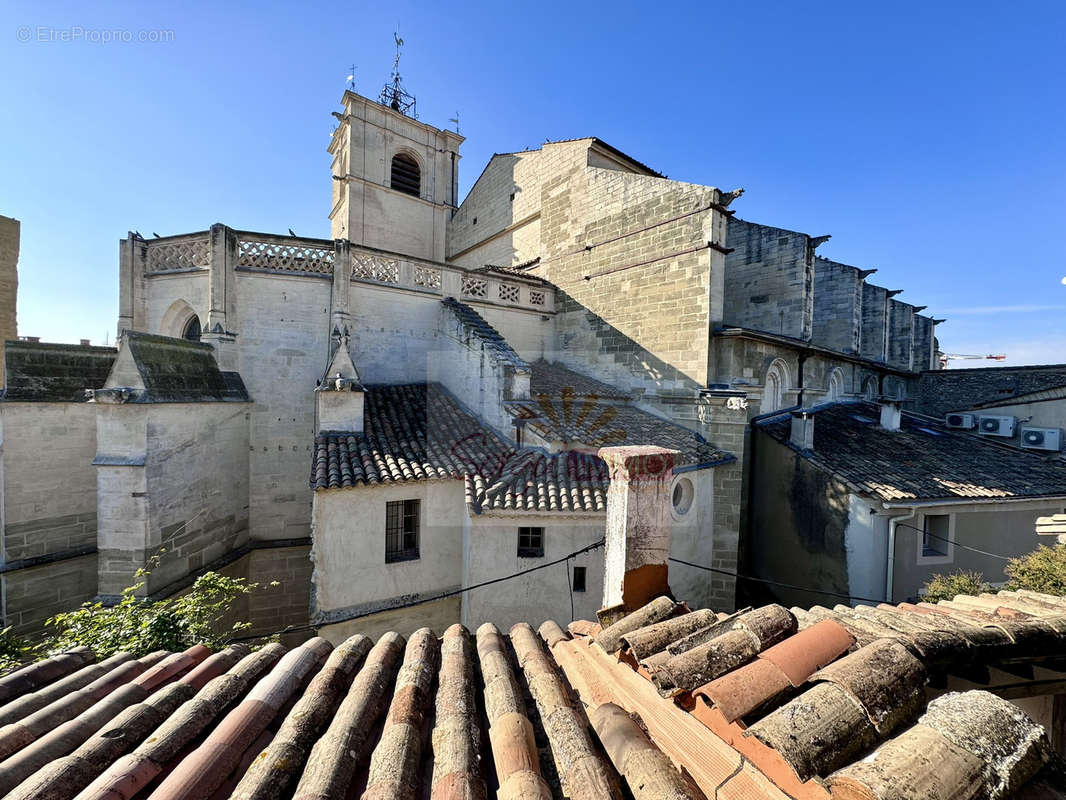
x,y
857,702
663,703
924,460
37,371
578,410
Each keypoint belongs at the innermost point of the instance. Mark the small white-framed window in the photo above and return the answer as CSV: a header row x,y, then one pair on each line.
x,y
936,542
682,495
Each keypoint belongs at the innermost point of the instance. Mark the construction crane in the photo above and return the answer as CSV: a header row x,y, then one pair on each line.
x,y
946,357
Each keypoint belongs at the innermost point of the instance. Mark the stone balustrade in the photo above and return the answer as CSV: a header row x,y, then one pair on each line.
x,y
295,255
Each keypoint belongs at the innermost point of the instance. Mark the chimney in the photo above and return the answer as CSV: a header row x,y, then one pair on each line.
x,y
802,430
638,525
890,415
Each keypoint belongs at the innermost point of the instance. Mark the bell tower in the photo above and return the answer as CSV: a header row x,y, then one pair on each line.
x,y
395,179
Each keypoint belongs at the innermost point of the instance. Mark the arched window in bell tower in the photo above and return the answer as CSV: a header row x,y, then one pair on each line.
x,y
406,175
192,329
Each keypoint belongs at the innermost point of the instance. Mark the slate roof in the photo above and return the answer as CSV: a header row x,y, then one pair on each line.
x,y
45,372
180,371
776,704
924,460
578,410
943,391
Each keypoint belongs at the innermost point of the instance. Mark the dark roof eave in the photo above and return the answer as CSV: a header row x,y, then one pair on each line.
x,y
734,331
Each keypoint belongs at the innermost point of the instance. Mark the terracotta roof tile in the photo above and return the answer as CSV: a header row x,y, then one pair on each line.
x,y
506,720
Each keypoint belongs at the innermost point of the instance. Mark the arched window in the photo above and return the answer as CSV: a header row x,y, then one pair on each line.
x,y
869,388
894,389
406,176
774,387
192,329
836,385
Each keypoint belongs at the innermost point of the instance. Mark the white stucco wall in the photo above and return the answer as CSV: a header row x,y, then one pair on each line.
x,y
491,546
348,547
692,539
865,543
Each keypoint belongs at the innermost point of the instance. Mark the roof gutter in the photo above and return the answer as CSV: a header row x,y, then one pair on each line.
x,y
970,501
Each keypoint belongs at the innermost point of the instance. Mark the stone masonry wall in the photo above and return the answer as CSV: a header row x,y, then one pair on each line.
x,y
874,322
769,279
49,483
654,287
34,594
837,306
924,333
9,257
900,334
284,348
501,213
271,608
188,500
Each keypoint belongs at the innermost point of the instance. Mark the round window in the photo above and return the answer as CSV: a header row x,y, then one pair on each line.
x,y
684,491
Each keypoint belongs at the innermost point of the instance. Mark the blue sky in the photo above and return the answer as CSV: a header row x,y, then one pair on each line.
x,y
928,139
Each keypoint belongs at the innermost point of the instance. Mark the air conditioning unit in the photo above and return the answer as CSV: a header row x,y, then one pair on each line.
x,y
996,426
1042,439
966,422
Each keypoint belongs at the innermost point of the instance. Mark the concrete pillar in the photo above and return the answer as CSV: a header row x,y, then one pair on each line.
x,y
638,524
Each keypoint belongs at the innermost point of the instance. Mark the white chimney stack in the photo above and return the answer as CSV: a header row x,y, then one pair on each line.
x,y
802,430
891,415
638,525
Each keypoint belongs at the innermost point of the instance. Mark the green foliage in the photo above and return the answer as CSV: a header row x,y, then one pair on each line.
x,y
1043,570
945,587
140,627
13,651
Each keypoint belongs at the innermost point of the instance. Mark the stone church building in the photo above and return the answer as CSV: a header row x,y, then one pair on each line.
x,y
416,404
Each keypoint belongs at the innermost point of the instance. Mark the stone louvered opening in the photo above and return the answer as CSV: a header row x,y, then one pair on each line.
x,y
406,175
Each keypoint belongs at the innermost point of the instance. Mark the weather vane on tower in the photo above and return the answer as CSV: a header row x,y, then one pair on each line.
x,y
393,94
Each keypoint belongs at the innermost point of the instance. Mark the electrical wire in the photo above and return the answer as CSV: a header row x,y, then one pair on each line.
x,y
950,541
731,574
441,596
570,556
570,588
